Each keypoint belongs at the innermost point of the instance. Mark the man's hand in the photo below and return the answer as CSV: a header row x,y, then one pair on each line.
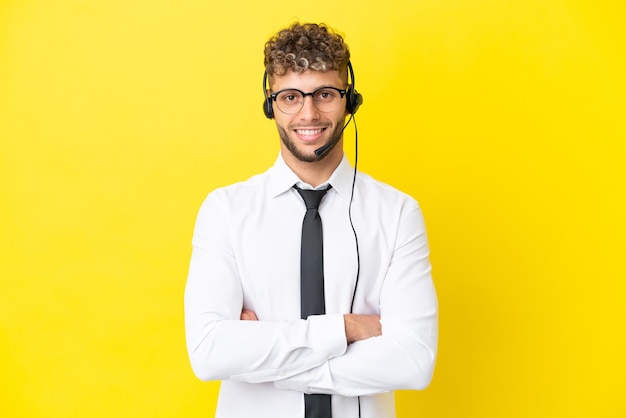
x,y
247,315
361,327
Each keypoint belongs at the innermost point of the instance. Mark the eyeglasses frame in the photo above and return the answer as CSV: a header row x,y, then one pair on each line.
x,y
273,96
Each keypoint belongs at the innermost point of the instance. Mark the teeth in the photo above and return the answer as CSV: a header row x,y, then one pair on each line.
x,y
309,131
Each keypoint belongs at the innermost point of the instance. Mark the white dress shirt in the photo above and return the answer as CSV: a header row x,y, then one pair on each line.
x,y
246,255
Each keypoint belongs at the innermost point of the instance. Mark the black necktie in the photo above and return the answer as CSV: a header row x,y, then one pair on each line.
x,y
312,283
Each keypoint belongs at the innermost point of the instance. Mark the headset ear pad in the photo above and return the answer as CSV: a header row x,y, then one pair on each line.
x,y
267,108
353,100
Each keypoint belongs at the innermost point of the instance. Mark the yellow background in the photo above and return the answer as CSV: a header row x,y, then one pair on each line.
x,y
505,119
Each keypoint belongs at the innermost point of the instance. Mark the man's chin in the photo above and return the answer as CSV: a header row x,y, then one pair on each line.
x,y
307,157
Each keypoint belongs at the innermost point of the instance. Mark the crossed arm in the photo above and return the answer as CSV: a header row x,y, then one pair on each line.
x,y
358,327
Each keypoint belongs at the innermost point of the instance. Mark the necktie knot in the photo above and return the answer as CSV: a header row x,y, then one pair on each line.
x,y
312,198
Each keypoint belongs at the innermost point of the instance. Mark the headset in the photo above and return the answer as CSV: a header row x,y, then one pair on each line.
x,y
353,98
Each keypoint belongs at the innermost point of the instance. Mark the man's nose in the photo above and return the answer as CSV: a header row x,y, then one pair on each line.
x,y
308,111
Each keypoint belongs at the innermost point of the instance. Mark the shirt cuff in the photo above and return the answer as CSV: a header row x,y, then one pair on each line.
x,y
329,332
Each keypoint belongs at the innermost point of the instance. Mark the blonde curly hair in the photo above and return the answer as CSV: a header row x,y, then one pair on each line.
x,y
305,46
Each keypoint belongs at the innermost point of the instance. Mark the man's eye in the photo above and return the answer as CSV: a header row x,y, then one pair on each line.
x,y
289,97
325,95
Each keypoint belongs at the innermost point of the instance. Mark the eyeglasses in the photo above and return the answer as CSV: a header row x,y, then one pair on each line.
x,y
325,99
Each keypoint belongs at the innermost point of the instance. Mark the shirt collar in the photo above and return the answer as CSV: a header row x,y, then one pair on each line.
x,y
282,178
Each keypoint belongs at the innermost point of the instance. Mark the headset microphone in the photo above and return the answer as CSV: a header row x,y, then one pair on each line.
x,y
321,151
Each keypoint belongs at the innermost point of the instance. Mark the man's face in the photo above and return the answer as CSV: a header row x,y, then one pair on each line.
x,y
309,128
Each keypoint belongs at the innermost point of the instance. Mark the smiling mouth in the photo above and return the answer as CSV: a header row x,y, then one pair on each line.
x,y
309,132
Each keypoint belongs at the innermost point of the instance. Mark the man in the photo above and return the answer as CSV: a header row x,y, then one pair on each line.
x,y
376,328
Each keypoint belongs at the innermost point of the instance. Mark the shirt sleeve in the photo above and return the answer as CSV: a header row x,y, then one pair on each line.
x,y
403,357
219,344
